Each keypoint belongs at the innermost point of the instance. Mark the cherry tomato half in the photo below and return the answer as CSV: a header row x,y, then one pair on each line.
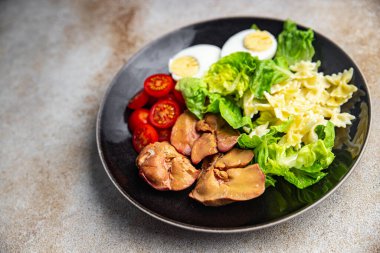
x,y
158,85
174,97
164,113
164,134
143,136
139,100
138,118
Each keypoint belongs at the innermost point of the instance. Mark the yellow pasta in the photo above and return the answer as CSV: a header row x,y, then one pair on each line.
x,y
310,97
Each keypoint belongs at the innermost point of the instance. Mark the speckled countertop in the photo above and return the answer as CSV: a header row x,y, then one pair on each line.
x,y
56,60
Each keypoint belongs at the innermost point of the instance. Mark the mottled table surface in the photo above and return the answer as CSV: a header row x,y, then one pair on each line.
x,y
56,60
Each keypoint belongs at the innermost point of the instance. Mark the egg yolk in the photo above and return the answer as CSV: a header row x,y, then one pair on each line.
x,y
258,41
185,66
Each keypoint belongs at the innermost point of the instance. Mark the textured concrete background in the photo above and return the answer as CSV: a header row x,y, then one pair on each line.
x,y
56,60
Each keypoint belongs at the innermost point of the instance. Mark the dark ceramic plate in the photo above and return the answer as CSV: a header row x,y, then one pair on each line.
x,y
276,204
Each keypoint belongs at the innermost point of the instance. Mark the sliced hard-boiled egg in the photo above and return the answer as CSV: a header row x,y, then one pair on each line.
x,y
193,61
258,43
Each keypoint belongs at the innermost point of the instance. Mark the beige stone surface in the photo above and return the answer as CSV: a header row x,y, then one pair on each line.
x,y
56,60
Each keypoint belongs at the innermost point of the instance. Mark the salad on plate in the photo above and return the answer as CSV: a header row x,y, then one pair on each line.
x,y
237,118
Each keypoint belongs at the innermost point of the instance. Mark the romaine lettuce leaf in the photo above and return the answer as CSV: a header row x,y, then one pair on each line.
x,y
268,72
284,127
303,167
213,105
199,101
326,133
255,27
194,91
259,145
231,113
302,179
286,198
249,142
231,75
294,44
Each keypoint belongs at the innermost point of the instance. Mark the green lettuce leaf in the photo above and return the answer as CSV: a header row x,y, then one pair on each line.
x,y
259,145
270,181
326,133
213,106
231,75
302,179
284,127
255,27
194,91
199,101
294,44
269,72
303,167
285,197
247,142
231,113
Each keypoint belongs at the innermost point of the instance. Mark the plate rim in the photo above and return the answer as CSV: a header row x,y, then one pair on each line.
x,y
222,230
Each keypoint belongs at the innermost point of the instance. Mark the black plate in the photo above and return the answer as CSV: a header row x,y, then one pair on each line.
x,y
276,204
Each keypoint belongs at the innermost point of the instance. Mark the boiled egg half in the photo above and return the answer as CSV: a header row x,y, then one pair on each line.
x,y
258,43
193,61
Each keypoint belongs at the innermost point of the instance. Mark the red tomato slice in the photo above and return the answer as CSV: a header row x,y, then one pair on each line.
x,y
164,134
158,85
138,118
164,113
139,100
176,98
143,136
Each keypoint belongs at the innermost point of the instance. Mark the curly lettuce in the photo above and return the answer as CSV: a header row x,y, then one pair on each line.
x,y
295,45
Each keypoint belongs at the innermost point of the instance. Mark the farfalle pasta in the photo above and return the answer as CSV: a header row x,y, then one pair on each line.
x,y
309,98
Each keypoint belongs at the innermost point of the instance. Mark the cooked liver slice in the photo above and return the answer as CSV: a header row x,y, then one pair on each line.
x,y
214,121
217,188
184,133
163,168
204,146
203,126
234,158
210,161
226,136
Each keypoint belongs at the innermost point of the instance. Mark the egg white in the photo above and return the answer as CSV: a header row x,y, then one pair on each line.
x,y
236,44
205,54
